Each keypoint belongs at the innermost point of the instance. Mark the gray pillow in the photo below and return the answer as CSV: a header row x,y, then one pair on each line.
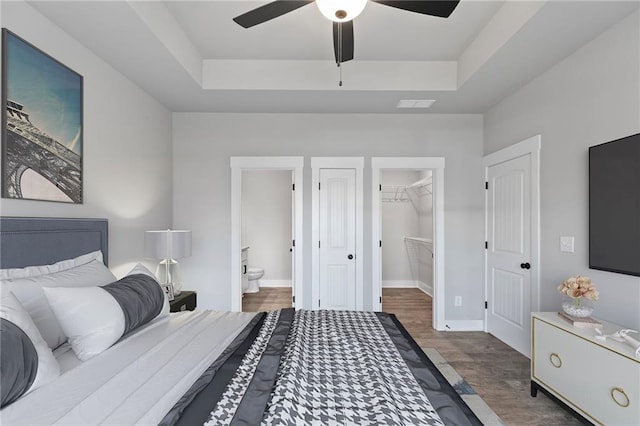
x,y
139,296
19,362
26,362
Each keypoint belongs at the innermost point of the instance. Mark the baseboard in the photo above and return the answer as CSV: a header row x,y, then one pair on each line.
x,y
464,325
399,284
426,288
275,283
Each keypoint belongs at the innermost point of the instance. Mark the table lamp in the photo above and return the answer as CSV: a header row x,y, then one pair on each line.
x,y
168,246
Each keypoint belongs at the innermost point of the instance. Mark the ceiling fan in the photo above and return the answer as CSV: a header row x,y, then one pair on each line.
x,y
342,13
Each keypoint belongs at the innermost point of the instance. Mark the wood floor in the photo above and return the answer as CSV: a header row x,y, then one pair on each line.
x,y
499,374
267,299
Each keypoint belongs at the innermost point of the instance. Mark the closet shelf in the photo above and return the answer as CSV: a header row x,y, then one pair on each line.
x,y
394,194
419,240
422,187
405,193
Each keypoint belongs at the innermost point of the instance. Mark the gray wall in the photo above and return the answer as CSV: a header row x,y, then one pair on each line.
x,y
127,145
592,97
203,144
266,221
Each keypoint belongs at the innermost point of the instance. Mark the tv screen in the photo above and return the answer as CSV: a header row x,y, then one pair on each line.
x,y
614,206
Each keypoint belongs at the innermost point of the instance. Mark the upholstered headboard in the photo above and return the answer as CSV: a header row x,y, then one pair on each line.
x,y
28,241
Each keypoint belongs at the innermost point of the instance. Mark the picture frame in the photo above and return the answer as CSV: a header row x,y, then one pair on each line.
x,y
168,290
42,125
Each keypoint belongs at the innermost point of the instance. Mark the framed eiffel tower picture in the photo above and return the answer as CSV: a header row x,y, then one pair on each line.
x,y
42,125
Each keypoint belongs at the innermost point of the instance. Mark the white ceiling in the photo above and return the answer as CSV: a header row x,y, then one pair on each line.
x,y
191,56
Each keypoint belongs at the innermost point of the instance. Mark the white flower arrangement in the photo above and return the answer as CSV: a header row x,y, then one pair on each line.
x,y
578,287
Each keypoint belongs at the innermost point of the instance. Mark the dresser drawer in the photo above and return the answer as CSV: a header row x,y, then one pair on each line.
x,y
594,380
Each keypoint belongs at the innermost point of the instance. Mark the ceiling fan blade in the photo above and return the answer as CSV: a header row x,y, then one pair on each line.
x,y
343,41
441,8
269,11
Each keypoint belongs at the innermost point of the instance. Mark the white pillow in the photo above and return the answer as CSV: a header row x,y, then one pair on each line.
x,y
26,284
93,319
89,316
47,366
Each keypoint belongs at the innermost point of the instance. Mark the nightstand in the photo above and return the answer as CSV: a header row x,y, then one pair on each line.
x,y
185,301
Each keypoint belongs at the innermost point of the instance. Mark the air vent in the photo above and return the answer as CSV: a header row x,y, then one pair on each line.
x,y
415,103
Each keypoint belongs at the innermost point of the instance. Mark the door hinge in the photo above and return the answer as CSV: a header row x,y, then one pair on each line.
x,y
293,243
380,188
380,243
294,186
318,186
318,303
486,185
380,299
294,299
486,245
486,305
318,244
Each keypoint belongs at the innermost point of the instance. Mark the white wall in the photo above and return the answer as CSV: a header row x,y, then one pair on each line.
x,y
203,144
266,221
399,219
127,145
592,97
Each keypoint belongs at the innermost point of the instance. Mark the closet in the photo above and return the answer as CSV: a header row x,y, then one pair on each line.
x,y
407,229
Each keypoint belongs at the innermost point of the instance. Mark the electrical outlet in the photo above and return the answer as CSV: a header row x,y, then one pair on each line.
x,y
458,301
567,244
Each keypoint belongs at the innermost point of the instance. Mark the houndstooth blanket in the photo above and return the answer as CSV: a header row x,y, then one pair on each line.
x,y
331,367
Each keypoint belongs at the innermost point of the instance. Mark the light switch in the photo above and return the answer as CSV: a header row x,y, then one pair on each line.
x,y
566,244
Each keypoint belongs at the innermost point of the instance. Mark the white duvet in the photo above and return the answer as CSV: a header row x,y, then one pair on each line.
x,y
136,381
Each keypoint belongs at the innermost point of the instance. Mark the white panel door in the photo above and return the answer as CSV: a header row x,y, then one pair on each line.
x,y
509,252
293,241
337,239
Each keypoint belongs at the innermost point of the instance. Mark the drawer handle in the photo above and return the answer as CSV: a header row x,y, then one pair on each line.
x,y
617,390
555,360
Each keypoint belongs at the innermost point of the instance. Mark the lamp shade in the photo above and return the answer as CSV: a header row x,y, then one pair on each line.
x,y
168,244
341,10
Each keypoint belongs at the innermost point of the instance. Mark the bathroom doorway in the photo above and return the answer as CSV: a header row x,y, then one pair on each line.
x,y
267,240
266,221
408,234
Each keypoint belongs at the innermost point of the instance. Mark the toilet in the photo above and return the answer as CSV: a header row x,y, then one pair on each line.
x,y
254,275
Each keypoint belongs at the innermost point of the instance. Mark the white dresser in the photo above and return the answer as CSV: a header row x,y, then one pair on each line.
x,y
599,380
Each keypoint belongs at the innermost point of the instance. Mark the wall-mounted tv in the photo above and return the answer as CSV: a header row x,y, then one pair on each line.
x,y
614,206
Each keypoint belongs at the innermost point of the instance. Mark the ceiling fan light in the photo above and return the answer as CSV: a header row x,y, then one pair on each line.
x,y
341,10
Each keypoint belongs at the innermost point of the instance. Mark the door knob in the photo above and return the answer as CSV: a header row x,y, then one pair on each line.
x,y
525,265
350,257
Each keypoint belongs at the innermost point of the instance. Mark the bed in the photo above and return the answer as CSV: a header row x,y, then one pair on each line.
x,y
201,367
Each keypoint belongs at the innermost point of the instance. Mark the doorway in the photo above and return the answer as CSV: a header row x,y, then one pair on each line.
x,y
267,240
255,175
411,187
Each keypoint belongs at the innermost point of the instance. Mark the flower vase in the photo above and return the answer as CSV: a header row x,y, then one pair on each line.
x,y
578,307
